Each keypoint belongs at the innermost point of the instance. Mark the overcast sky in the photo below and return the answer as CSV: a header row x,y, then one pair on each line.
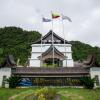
x,y
27,14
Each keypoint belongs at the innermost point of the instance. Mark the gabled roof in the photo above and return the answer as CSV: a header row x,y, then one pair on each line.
x,y
50,49
55,37
9,62
55,70
92,61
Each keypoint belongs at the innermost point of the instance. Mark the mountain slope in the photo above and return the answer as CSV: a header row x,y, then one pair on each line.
x,y
16,41
82,50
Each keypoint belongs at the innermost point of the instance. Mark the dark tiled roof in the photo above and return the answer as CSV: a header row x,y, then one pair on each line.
x,y
51,50
55,36
9,62
91,61
88,63
42,70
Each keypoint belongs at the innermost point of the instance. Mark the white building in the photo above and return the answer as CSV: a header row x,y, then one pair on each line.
x,y
4,74
41,62
43,52
6,70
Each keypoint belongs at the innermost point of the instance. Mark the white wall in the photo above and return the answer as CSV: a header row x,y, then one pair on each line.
x,y
68,63
95,71
34,55
60,47
36,52
34,63
4,72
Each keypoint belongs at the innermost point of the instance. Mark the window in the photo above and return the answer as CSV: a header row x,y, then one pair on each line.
x,y
97,79
4,80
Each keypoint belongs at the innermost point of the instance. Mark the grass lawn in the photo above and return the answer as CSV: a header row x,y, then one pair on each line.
x,y
66,93
80,94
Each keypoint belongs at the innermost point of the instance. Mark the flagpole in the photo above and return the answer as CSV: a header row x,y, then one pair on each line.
x,y
52,39
64,40
41,44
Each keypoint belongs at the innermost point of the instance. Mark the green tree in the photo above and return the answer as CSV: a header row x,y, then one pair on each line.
x,y
16,41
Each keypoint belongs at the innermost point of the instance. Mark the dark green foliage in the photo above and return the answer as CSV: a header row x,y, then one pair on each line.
x,y
13,81
87,82
16,41
97,52
82,50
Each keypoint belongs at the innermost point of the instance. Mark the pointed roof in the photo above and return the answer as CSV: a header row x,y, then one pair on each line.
x,y
48,36
9,62
50,50
91,61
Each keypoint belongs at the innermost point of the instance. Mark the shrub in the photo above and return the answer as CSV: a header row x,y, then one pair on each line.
x,y
41,97
46,93
87,82
13,81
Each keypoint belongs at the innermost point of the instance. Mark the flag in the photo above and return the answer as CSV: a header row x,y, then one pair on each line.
x,y
66,18
46,20
55,15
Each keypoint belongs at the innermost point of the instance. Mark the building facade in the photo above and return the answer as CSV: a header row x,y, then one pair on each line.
x,y
43,52
6,70
40,71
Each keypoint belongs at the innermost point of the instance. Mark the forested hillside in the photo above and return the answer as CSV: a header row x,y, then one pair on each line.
x,y
16,41
82,50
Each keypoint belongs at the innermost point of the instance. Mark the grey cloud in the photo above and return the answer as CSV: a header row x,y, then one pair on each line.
x,y
85,15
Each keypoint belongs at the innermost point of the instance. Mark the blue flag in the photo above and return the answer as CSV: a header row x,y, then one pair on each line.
x,y
66,18
46,20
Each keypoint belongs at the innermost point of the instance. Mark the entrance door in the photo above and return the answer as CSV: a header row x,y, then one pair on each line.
x,y
49,62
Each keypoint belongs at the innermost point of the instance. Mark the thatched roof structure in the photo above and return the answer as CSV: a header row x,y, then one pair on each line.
x,y
9,62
